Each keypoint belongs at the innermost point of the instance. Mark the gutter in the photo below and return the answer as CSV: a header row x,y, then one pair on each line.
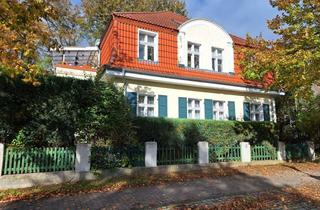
x,y
125,73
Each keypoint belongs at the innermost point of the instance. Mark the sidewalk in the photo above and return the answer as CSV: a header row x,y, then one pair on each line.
x,y
174,193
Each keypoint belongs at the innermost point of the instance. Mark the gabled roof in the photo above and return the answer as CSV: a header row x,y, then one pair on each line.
x,y
166,19
163,19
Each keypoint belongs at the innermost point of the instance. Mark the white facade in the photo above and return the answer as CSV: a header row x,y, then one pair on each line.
x,y
173,92
75,73
208,35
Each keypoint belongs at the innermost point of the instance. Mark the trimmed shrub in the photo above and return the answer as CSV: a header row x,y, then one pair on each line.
x,y
61,111
175,132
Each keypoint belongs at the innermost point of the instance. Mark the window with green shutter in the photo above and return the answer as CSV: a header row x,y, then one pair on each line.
x,y
266,112
182,107
208,109
163,106
132,100
246,111
231,110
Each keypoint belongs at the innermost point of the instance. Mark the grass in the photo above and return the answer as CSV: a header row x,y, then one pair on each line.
x,y
120,183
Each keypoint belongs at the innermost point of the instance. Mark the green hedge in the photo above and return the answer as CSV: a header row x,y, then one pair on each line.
x,y
61,111
188,132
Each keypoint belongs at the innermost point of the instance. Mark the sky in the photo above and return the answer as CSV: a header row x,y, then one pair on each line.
x,y
238,17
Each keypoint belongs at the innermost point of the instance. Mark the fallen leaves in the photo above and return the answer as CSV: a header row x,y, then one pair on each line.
x,y
307,195
144,179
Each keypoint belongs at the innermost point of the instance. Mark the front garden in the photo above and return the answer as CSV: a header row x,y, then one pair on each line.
x,y
40,127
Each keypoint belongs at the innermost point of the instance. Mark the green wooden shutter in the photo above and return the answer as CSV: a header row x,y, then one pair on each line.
x,y
132,100
231,110
266,112
182,107
208,109
162,102
246,111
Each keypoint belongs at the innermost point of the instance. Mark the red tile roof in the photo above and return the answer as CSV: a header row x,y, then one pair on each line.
x,y
166,19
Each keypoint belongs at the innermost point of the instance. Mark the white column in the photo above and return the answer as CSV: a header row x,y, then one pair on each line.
x,y
311,152
1,157
203,152
83,153
245,152
150,159
281,153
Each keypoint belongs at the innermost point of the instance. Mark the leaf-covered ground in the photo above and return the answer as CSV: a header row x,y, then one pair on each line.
x,y
121,183
302,197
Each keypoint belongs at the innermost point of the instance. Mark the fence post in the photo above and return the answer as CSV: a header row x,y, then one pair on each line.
x,y
281,153
150,159
203,152
311,152
83,153
245,152
1,158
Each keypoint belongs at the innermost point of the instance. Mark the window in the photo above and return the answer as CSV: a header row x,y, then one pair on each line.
x,y
193,108
148,47
256,112
219,110
146,106
193,55
217,59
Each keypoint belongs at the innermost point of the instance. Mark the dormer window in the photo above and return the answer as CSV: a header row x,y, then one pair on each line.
x,y
217,59
193,55
148,46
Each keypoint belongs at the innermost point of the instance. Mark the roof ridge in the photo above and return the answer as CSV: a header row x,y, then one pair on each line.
x,y
141,12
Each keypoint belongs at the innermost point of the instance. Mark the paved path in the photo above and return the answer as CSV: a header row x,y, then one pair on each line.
x,y
163,195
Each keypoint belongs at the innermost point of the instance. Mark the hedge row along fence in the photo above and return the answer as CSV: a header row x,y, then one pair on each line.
x,y
298,151
34,160
224,153
263,152
177,155
175,132
106,157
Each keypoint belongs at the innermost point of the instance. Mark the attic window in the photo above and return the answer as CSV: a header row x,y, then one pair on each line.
x,y
148,46
193,55
217,59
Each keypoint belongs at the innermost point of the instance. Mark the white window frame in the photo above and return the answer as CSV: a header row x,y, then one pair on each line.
x,y
253,112
217,110
145,105
216,57
146,44
192,52
193,108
